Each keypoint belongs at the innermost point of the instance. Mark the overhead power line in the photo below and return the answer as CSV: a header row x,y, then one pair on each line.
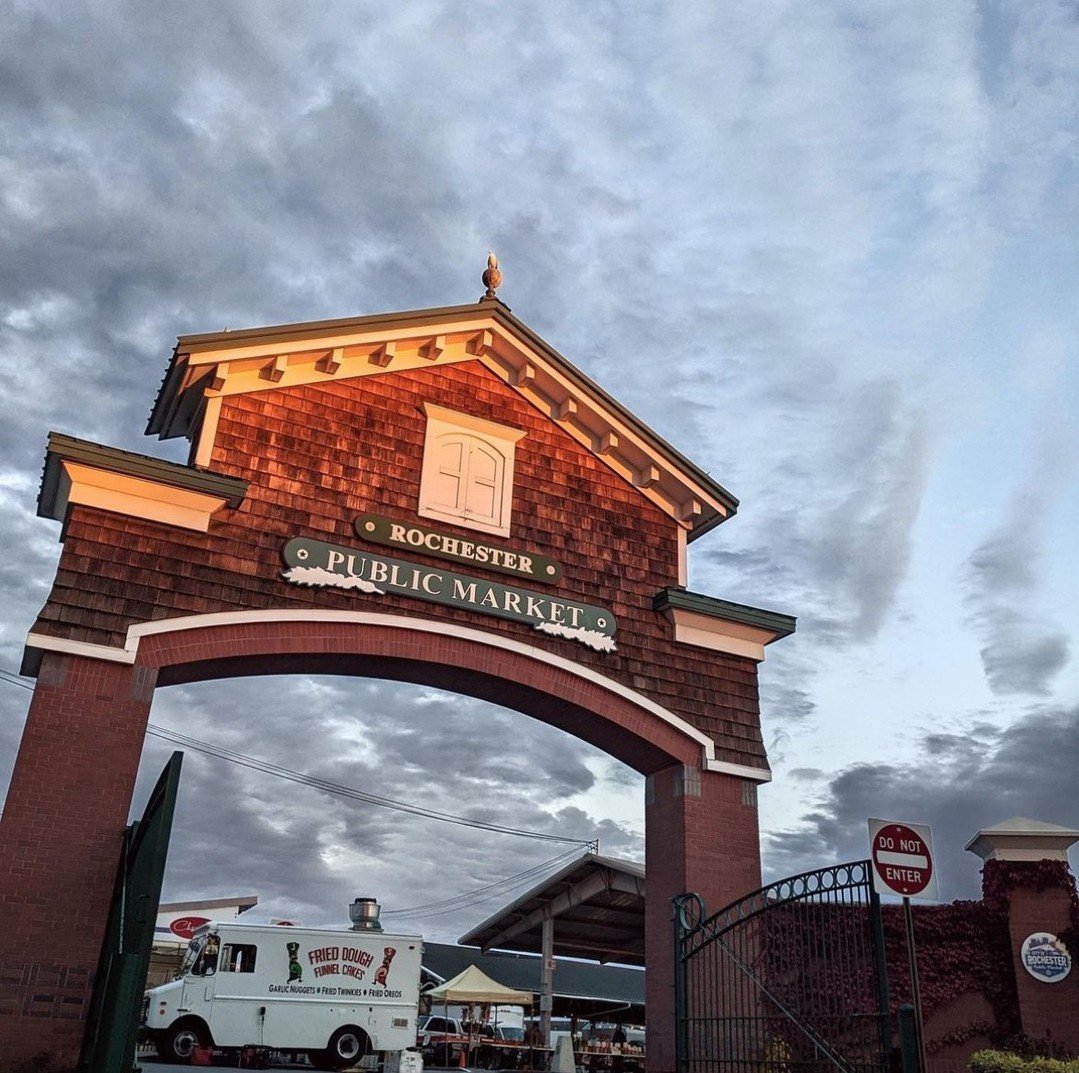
x,y
220,752
459,902
483,894
14,679
340,790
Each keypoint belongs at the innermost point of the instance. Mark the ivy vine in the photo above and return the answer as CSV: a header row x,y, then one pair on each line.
x,y
966,947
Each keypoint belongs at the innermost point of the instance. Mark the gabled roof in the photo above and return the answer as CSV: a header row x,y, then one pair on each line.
x,y
597,904
259,359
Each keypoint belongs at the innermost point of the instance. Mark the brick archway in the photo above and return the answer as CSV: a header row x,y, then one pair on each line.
x,y
598,709
569,606
104,706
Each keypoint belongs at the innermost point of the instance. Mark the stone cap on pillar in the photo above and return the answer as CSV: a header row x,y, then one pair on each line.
x,y
1020,839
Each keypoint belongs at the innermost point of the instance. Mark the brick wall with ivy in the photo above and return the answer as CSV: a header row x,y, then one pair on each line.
x,y
974,991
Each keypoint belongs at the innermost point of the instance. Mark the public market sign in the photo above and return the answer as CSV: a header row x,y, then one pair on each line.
x,y
1045,957
381,530
902,855
315,563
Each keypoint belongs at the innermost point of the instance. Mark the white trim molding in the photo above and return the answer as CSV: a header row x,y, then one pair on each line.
x,y
129,653
734,638
137,497
44,643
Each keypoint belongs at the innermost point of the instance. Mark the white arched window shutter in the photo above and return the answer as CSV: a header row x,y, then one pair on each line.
x,y
467,475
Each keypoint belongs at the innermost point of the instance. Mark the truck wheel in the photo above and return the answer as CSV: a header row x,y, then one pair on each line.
x,y
178,1043
346,1047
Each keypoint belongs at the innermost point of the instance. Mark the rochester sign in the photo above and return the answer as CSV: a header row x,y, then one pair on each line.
x,y
313,562
381,530
1045,957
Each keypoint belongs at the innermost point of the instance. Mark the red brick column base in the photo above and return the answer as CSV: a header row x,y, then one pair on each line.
x,y
701,836
58,858
1048,1011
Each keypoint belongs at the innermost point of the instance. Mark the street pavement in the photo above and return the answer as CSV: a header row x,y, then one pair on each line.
x,y
152,1064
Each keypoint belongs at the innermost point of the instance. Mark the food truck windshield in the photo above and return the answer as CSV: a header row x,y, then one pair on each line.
x,y
201,956
194,948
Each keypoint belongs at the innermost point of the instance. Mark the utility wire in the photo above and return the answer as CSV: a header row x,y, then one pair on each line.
x,y
14,679
476,896
325,785
341,790
457,903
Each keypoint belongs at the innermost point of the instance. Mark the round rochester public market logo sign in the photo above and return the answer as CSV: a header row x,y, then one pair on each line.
x,y
1045,957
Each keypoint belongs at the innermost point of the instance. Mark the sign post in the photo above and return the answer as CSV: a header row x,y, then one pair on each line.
x,y
902,857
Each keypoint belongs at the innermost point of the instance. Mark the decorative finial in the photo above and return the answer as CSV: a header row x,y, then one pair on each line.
x,y
491,277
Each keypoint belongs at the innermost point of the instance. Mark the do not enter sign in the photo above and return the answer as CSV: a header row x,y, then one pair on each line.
x,y
902,855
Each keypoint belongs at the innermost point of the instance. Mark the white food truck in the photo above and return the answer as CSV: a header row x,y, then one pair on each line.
x,y
336,995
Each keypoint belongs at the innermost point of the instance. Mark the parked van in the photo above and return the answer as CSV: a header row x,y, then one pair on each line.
x,y
336,995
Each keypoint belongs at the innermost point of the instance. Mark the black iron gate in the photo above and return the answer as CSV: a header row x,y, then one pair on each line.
x,y
113,1021
789,979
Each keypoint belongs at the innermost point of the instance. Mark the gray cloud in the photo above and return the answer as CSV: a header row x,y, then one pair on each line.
x,y
308,853
1015,662
769,234
961,782
835,556
789,702
806,774
843,550
1021,652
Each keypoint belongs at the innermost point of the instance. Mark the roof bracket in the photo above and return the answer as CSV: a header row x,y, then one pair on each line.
x,y
432,349
562,410
689,510
332,362
646,477
274,370
522,374
480,343
383,355
606,443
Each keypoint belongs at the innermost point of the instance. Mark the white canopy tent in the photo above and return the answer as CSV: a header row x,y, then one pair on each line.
x,y
474,986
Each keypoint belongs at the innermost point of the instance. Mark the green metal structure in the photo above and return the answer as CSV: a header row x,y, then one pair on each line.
x,y
113,1022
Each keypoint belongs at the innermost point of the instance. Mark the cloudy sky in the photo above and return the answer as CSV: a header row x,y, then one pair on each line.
x,y
827,249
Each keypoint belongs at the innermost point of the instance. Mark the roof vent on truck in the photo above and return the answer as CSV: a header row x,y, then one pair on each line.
x,y
363,913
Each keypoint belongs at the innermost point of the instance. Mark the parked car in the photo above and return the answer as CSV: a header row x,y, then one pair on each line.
x,y
443,1039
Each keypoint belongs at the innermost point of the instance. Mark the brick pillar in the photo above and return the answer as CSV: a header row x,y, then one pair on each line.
x,y
1027,861
701,836
60,837
1046,1010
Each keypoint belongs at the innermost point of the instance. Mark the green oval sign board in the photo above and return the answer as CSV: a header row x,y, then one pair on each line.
x,y
407,536
316,563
